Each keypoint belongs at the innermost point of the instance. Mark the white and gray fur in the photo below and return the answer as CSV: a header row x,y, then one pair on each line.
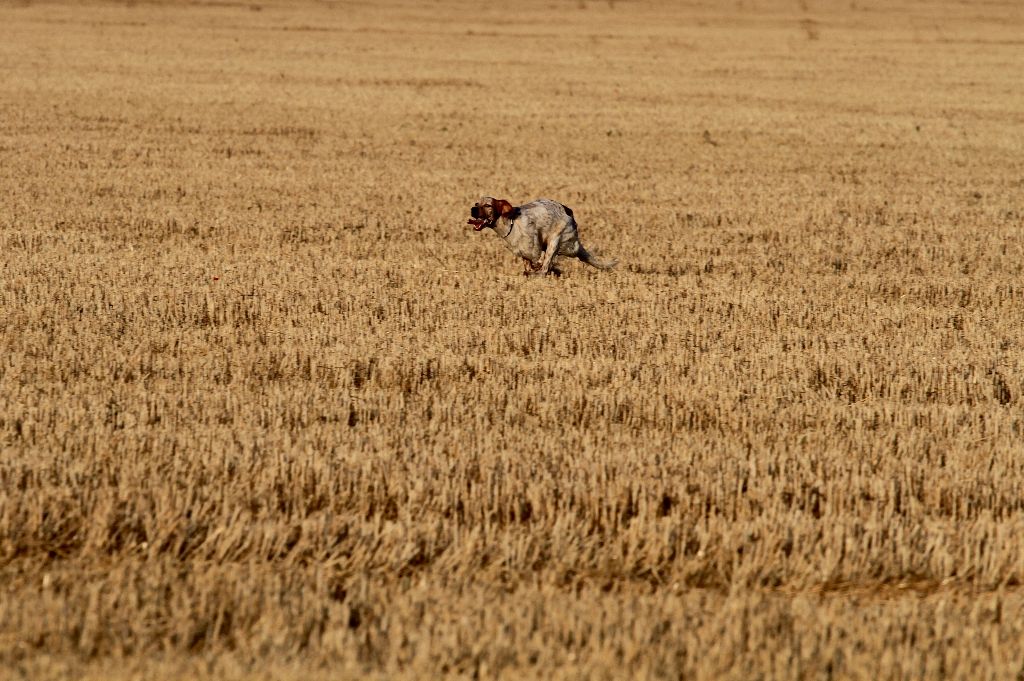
x,y
537,232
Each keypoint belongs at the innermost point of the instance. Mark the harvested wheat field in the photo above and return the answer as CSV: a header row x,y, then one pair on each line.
x,y
270,408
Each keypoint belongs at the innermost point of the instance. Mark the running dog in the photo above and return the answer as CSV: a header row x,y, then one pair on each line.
x,y
537,232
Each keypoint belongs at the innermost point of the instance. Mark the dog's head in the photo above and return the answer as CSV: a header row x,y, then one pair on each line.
x,y
487,211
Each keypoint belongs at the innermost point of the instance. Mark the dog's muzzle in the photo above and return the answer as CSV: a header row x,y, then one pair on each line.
x,y
478,221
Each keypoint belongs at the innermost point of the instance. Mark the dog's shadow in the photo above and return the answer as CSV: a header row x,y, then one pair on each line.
x,y
554,271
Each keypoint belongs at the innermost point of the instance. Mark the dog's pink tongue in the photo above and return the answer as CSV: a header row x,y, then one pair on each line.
x,y
477,224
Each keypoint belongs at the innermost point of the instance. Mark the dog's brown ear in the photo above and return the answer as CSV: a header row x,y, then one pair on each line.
x,y
502,207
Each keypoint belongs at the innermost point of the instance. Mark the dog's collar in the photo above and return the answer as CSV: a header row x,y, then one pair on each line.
x,y
511,224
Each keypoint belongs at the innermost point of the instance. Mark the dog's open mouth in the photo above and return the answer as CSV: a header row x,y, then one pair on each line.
x,y
479,219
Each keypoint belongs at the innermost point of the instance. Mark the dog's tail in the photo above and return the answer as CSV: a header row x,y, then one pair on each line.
x,y
589,258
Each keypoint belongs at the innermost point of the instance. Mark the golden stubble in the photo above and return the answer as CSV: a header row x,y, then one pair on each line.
x,y
269,408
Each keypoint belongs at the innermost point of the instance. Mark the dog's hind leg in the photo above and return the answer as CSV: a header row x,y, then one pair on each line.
x,y
549,254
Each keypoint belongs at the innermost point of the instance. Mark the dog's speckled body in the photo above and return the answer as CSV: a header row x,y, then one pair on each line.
x,y
537,232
